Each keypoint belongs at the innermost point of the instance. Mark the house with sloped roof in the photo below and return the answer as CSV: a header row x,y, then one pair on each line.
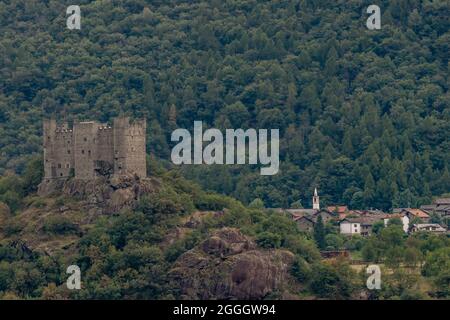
x,y
326,215
341,210
413,213
439,206
358,226
428,227
401,216
304,223
301,212
363,225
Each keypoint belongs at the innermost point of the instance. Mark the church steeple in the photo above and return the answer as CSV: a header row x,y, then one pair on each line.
x,y
316,203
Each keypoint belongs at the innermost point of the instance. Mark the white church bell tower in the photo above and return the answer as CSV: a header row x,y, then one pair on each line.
x,y
316,204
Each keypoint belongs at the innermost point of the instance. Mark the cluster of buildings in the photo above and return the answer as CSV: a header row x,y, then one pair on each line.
x,y
361,222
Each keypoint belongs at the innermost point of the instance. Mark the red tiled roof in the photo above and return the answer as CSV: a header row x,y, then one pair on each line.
x,y
418,213
337,209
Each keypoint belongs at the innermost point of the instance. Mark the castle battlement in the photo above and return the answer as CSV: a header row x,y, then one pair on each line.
x,y
90,149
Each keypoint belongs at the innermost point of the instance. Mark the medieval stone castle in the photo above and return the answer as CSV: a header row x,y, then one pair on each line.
x,y
92,149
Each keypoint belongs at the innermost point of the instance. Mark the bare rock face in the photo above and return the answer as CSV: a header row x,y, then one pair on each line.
x,y
229,266
110,194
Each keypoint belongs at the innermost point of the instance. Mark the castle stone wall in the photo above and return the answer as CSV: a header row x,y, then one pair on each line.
x,y
92,148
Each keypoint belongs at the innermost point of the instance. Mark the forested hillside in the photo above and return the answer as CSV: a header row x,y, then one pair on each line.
x,y
363,114
177,241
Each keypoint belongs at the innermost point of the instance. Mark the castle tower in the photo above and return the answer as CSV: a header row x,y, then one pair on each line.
x,y
58,155
129,147
316,203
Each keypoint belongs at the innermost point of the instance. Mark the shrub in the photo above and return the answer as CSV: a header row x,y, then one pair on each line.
x,y
256,204
301,269
60,201
59,225
268,240
13,227
166,202
39,203
213,202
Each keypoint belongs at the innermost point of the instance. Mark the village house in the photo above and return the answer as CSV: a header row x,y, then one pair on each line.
x,y
304,223
440,206
402,217
298,212
413,214
372,212
341,210
326,216
363,225
349,226
358,226
428,227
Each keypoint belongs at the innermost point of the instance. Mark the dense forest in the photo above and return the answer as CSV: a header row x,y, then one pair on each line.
x,y
363,114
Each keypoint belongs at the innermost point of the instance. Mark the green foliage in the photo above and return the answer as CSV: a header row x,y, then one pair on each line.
x,y
333,242
59,225
319,233
377,227
13,227
301,270
302,247
333,282
11,191
400,284
183,245
207,201
256,204
395,222
268,240
33,174
165,202
355,243
437,262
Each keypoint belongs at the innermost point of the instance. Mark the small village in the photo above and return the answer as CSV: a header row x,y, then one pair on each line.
x,y
432,218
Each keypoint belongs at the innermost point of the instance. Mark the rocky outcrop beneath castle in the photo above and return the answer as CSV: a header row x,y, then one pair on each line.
x,y
228,265
107,195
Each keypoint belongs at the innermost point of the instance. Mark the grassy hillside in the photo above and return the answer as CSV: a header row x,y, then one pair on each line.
x,y
177,241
